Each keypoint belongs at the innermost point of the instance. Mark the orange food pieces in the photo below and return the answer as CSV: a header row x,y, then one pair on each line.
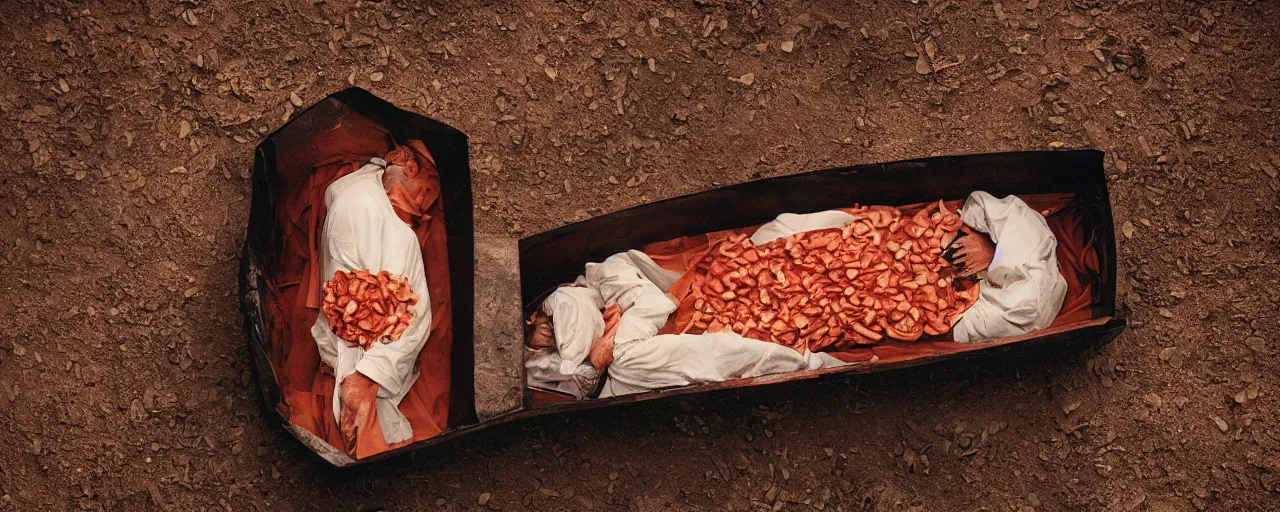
x,y
882,275
363,308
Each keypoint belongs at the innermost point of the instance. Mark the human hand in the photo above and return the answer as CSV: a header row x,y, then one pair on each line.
x,y
612,315
357,395
601,355
974,251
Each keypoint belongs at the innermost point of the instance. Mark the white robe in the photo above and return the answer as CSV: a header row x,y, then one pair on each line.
x,y
576,318
576,321
645,361
1024,288
361,231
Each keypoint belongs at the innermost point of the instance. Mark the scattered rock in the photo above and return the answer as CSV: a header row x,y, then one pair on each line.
x,y
746,79
1221,423
1269,169
1127,229
484,499
787,46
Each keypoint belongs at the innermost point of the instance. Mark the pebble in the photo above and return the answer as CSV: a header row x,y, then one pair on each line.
x,y
1222,424
484,499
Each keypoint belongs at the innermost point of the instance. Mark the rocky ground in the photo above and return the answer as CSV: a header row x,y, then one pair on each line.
x,y
128,127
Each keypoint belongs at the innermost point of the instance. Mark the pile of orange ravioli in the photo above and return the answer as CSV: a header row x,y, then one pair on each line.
x,y
364,308
882,275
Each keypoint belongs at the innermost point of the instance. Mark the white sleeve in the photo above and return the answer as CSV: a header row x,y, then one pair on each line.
x,y
543,369
1024,288
645,307
673,360
577,321
789,224
391,365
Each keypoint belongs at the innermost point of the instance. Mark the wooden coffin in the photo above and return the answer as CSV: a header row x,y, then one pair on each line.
x,y
494,282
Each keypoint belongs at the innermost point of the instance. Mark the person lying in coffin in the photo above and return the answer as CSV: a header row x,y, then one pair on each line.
x,y
798,288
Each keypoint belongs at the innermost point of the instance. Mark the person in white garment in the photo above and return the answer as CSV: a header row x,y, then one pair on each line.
x,y
361,231
642,360
561,367
1024,292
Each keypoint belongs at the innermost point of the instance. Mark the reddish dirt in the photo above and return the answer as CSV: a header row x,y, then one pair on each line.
x,y
128,130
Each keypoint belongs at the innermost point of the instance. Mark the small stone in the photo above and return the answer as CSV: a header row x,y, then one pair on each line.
x,y
1127,229
484,499
1164,312
1222,424
746,79
376,76
1167,353
184,129
1146,147
1152,400
787,46
1070,406
295,99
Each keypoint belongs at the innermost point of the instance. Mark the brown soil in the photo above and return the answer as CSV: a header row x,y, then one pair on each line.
x,y
128,130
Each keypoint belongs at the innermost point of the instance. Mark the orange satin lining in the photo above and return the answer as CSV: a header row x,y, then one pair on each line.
x,y
306,171
1077,261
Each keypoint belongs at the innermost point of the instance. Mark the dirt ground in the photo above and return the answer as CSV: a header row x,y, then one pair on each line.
x,y
127,135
